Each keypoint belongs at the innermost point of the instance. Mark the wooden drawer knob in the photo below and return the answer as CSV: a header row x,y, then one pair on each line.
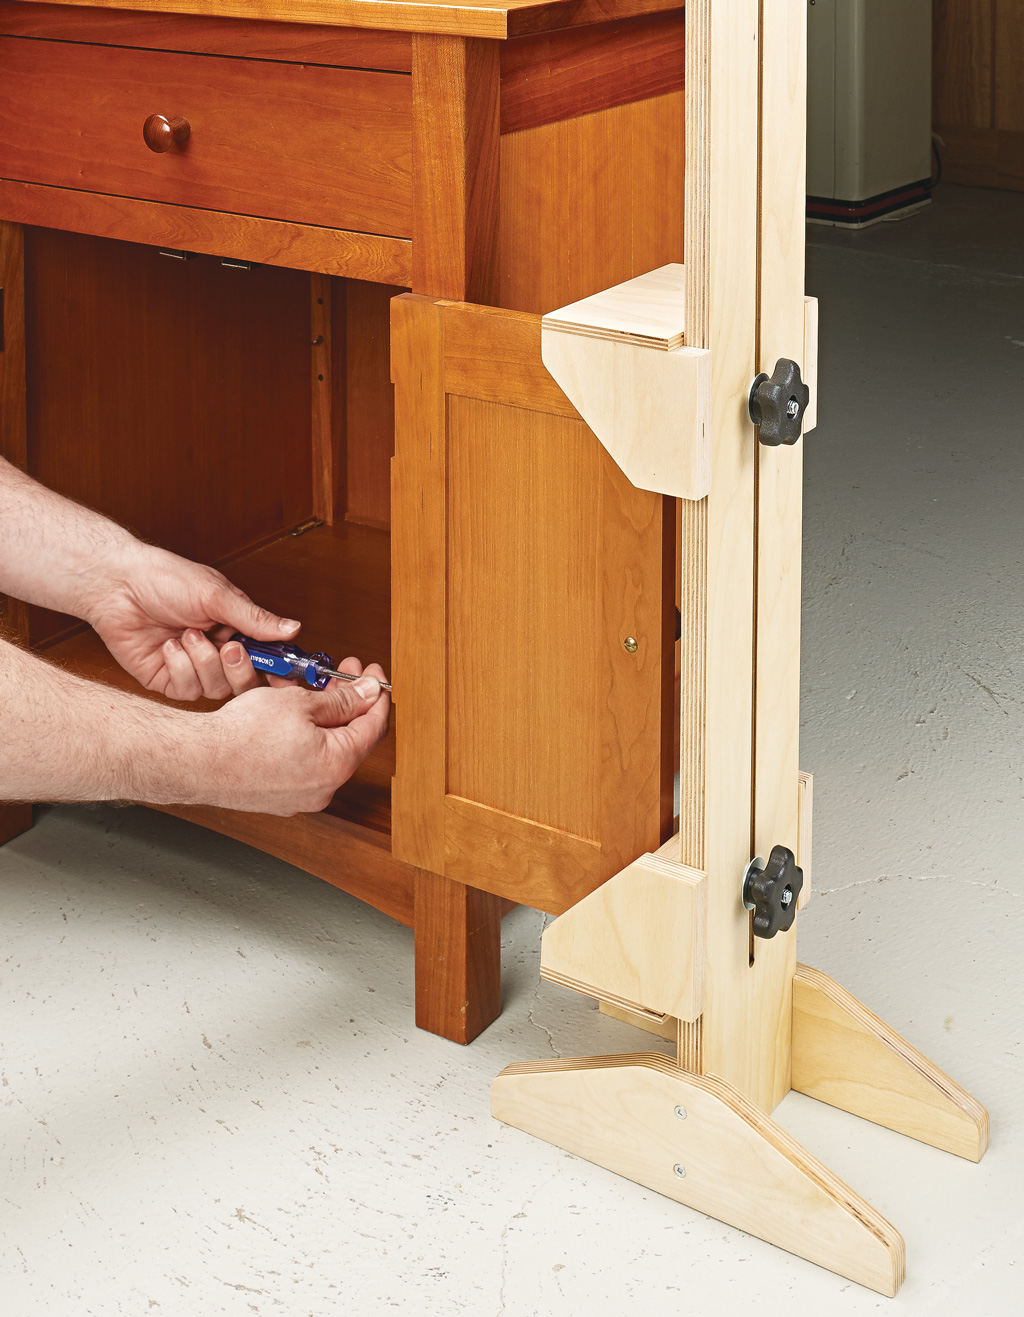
x,y
161,133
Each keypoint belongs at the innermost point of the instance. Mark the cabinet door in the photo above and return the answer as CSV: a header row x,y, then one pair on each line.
x,y
533,616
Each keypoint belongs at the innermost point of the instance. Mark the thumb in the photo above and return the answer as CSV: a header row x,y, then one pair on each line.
x,y
236,610
342,701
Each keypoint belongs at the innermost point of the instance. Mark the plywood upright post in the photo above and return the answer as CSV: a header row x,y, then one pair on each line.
x,y
739,1037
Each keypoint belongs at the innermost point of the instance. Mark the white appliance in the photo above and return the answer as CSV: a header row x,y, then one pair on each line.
x,y
869,112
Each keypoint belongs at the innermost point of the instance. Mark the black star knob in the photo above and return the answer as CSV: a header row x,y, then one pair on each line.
x,y
777,404
772,891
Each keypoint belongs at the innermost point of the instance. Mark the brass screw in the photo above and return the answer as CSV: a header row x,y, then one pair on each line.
x,y
630,645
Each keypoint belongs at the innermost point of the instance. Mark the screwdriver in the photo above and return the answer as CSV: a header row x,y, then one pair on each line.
x,y
285,660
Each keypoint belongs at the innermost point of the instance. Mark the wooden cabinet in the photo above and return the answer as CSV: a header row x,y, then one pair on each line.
x,y
978,91
243,405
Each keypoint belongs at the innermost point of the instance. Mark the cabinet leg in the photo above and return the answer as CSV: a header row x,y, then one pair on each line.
x,y
458,957
14,820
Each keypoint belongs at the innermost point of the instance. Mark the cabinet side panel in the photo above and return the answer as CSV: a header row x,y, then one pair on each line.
x,y
590,202
523,605
575,71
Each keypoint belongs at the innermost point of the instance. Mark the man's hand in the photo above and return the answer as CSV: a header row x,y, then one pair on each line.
x,y
278,751
287,750
150,607
153,615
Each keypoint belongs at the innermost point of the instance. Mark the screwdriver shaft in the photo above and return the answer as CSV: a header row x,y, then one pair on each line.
x,y
348,676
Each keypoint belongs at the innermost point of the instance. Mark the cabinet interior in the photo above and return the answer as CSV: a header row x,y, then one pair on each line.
x,y
184,398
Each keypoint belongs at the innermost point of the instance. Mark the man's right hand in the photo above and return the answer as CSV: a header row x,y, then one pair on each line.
x,y
286,750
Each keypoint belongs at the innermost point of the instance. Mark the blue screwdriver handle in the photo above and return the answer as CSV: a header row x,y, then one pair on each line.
x,y
286,660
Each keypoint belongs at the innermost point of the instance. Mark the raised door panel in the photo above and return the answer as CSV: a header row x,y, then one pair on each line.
x,y
533,586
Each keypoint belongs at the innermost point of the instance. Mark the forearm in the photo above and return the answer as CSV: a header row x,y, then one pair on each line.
x,y
53,551
64,738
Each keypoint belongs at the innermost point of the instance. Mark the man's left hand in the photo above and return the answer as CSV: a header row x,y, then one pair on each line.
x,y
155,616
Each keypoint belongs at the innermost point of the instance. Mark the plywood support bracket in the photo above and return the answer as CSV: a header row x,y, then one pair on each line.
x,y
621,360
637,942
846,1056
697,1140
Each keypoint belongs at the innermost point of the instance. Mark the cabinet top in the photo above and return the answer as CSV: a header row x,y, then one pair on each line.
x,y
466,18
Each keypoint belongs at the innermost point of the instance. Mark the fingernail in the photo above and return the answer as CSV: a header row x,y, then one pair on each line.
x,y
367,688
290,623
191,637
232,654
172,645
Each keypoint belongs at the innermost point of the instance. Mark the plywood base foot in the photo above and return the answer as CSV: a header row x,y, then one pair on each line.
x,y
699,1141
846,1056
14,820
458,957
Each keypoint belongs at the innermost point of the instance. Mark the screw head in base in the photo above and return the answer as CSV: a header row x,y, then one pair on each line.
x,y
630,645
681,1112
680,1171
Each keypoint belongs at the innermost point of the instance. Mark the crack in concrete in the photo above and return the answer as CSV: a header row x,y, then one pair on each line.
x,y
536,1002
504,1234
543,1027
989,692
916,878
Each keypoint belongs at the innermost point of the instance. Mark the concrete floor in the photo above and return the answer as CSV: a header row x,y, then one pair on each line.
x,y
214,1101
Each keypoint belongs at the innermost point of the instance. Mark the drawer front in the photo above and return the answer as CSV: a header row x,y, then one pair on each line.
x,y
324,146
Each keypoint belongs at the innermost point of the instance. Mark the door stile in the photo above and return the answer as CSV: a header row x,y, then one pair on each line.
x,y
419,567
637,607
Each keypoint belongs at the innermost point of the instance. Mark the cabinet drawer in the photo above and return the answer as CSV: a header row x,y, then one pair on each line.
x,y
315,145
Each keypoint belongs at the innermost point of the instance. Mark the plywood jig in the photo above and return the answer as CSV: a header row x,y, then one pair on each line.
x,y
660,367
